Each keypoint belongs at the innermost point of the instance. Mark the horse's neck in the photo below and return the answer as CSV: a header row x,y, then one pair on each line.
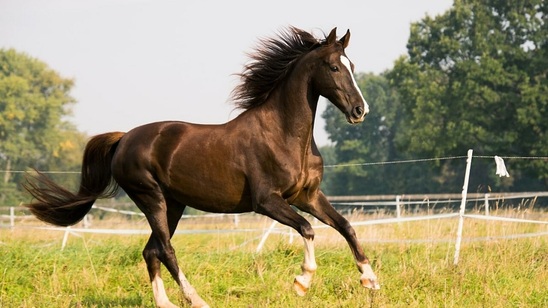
x,y
294,106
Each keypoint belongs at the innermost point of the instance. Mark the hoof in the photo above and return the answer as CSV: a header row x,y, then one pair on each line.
x,y
368,278
168,306
200,305
372,284
299,286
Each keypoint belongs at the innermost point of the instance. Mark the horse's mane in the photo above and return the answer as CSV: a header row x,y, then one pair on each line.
x,y
270,63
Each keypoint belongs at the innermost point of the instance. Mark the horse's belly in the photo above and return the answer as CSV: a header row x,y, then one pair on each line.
x,y
210,194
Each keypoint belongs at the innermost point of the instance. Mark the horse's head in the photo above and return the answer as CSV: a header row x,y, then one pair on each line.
x,y
333,78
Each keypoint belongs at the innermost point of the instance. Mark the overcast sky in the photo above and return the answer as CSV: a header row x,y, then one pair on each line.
x,y
140,61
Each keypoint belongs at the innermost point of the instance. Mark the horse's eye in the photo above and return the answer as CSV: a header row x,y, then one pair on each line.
x,y
334,68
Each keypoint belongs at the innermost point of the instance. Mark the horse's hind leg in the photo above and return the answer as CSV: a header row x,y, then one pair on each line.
x,y
163,218
174,213
153,266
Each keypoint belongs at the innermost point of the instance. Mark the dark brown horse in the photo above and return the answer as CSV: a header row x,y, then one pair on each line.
x,y
262,161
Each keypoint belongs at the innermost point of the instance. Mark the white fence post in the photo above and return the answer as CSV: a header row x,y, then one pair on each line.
x,y
462,207
65,238
12,217
86,222
265,236
398,206
236,220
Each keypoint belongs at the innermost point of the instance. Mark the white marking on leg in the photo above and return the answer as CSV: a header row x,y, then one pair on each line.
x,y
190,293
309,266
368,278
160,296
346,63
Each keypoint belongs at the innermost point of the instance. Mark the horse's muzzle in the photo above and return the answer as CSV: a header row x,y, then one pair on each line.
x,y
357,115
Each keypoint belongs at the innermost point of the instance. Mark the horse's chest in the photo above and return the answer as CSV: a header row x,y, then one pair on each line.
x,y
303,184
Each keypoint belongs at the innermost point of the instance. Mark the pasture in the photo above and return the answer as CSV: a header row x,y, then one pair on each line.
x,y
414,262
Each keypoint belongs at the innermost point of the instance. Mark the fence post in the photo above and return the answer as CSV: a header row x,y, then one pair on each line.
x,y
12,217
398,206
236,220
265,236
86,222
486,204
65,238
462,207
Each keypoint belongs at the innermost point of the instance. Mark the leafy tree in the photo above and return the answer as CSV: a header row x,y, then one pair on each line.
x,y
34,100
371,141
476,77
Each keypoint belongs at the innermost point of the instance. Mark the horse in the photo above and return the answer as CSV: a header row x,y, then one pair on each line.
x,y
265,160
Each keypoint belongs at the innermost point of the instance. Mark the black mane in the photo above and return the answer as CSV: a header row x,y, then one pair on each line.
x,y
270,63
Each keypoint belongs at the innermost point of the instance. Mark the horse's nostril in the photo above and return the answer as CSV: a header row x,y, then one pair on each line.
x,y
358,112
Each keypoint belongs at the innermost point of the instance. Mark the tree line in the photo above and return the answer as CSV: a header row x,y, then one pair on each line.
x,y
473,77
34,131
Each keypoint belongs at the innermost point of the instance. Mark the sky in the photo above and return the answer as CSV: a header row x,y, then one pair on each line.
x,y
141,61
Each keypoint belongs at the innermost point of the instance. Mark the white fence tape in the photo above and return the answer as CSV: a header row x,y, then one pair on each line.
x,y
284,230
136,231
508,219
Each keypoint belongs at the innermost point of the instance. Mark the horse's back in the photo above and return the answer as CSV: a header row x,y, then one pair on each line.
x,y
193,163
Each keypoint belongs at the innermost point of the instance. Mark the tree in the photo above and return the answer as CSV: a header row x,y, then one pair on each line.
x,y
476,77
371,141
34,101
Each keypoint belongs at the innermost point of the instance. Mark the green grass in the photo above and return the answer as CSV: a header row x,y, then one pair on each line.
x,y
108,270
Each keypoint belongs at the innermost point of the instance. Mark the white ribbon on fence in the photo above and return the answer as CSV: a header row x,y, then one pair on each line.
x,y
501,168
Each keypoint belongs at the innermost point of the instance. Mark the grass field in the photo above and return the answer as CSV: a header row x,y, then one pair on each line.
x,y
414,262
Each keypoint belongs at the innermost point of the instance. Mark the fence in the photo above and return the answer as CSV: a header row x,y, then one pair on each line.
x,y
419,203
398,202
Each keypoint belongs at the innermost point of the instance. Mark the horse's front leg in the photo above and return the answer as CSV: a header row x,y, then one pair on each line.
x,y
303,281
324,211
275,207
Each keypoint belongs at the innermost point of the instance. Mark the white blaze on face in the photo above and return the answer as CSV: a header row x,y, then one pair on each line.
x,y
346,63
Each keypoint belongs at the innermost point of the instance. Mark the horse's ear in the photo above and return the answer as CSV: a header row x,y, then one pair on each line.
x,y
345,39
332,37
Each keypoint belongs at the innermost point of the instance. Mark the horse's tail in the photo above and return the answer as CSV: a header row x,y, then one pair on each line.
x,y
56,205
